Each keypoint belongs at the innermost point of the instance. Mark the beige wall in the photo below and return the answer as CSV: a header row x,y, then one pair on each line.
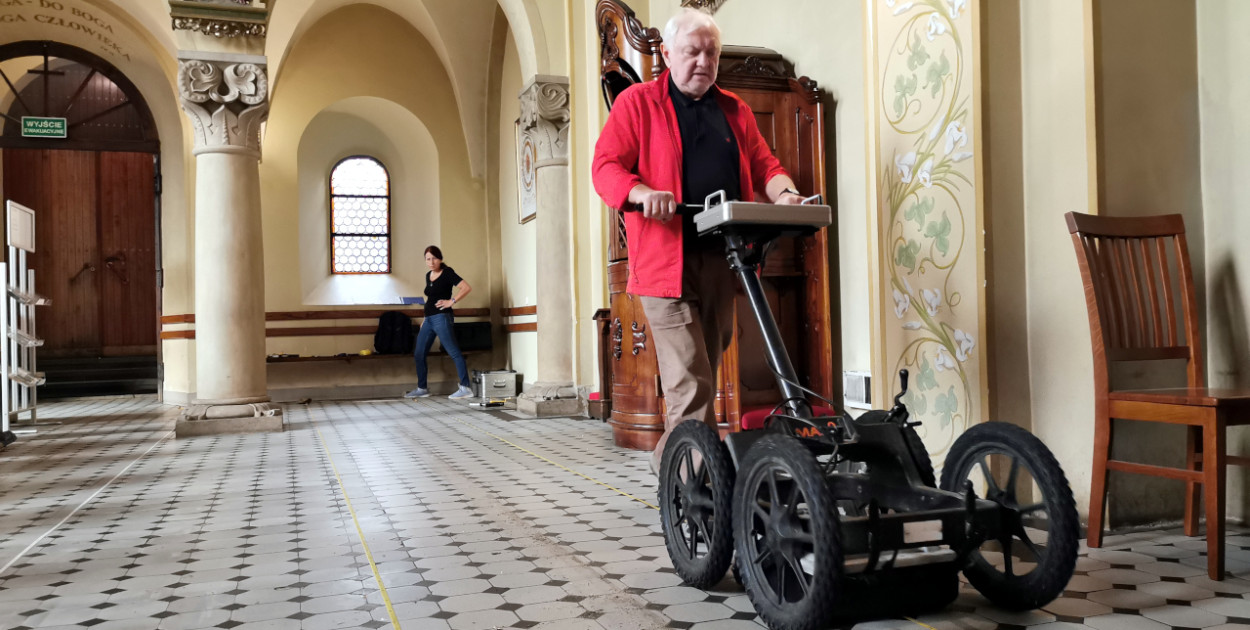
x,y
1006,252
519,258
1149,163
1058,177
590,256
1223,90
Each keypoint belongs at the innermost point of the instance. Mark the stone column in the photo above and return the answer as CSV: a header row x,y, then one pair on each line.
x,y
226,97
545,122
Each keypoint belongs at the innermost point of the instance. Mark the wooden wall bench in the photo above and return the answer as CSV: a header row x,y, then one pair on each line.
x,y
315,316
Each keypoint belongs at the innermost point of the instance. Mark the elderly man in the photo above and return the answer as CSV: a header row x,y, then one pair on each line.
x,y
671,141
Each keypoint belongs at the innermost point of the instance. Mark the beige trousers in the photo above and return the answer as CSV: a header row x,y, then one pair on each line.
x,y
690,334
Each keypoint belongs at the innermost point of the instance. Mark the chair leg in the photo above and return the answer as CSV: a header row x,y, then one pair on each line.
x,y
1098,481
1193,461
1214,473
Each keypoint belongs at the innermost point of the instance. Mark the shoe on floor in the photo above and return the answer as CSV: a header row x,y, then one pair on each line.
x,y
419,392
463,392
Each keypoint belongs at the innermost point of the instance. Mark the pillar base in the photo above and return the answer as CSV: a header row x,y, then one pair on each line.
x,y
551,400
208,419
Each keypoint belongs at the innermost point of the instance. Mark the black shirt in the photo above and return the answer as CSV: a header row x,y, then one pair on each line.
x,y
439,289
709,153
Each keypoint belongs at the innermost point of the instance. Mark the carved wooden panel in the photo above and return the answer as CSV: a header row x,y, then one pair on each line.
x,y
629,53
637,420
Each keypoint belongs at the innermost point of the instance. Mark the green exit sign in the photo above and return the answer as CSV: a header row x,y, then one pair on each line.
x,y
40,127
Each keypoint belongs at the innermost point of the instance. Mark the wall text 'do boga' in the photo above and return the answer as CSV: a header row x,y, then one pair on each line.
x,y
59,15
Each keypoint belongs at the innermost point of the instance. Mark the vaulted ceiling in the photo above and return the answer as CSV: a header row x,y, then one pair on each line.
x,y
458,30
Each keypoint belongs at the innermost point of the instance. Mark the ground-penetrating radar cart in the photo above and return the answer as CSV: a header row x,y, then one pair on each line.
x,y
834,517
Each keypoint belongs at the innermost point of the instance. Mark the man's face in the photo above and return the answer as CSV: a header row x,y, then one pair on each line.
x,y
693,59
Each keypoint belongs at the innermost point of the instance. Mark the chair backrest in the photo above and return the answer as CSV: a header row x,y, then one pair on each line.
x,y
1127,266
629,53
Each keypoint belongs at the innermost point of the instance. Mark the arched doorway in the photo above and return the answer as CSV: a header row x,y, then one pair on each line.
x,y
95,194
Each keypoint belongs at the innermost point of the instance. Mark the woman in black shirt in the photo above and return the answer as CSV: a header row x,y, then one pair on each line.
x,y
443,288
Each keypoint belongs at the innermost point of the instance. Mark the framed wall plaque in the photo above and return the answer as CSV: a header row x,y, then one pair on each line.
x,y
527,176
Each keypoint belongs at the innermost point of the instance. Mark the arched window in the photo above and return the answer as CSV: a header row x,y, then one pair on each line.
x,y
360,217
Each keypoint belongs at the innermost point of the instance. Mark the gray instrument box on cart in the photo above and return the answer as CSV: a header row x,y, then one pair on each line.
x,y
494,384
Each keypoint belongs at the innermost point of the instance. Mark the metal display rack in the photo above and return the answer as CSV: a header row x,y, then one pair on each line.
x,y
17,315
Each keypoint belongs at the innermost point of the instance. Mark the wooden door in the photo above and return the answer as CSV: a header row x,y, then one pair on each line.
x,y
127,249
94,247
61,187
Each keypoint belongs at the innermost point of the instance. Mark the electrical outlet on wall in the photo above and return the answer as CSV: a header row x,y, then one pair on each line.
x,y
857,389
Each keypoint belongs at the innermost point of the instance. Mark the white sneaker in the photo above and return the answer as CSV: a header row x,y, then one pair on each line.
x,y
419,392
463,392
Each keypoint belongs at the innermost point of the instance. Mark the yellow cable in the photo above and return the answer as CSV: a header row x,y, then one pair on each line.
x,y
368,554
919,623
556,464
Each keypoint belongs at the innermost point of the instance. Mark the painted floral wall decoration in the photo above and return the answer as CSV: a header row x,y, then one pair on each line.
x,y
928,205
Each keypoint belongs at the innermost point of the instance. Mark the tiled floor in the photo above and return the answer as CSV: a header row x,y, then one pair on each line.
x,y
471,520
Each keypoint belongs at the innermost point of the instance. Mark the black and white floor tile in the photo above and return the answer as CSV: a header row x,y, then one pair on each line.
x,y
472,520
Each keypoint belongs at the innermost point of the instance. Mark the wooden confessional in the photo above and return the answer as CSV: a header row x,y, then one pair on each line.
x,y
797,277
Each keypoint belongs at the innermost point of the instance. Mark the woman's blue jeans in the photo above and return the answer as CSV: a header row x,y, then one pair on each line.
x,y
440,325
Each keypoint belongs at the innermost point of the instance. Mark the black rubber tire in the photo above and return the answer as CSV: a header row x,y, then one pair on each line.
x,y
779,465
920,455
1057,559
697,511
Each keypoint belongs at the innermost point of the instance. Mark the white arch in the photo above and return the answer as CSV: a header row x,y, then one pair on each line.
x,y
458,31
531,39
393,134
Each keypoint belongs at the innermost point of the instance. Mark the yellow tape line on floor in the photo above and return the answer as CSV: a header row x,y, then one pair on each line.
x,y
556,464
390,610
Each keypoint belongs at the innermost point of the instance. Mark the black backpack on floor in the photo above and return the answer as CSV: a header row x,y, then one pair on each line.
x,y
394,335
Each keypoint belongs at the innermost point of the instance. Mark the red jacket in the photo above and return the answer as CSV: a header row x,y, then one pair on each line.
x,y
641,144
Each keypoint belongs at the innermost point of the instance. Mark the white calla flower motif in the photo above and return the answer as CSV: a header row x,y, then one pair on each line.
x,y
902,302
943,361
932,300
912,325
902,8
961,156
925,174
964,343
936,129
956,137
937,26
956,7
905,163
907,285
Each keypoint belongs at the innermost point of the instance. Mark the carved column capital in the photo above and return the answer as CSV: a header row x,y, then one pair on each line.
x,y
227,98
228,19
706,5
545,119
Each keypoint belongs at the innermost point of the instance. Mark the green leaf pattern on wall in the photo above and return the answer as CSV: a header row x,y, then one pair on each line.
x,y
927,205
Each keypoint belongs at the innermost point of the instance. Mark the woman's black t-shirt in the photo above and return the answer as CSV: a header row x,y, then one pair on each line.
x,y
439,289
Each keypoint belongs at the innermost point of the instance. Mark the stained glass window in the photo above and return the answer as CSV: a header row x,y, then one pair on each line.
x,y
360,217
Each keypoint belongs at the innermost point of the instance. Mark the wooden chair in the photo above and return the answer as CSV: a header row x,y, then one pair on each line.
x,y
1133,299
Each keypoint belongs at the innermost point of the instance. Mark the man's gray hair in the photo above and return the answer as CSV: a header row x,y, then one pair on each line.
x,y
689,19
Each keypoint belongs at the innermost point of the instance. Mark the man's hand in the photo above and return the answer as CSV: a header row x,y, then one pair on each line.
x,y
789,198
660,205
